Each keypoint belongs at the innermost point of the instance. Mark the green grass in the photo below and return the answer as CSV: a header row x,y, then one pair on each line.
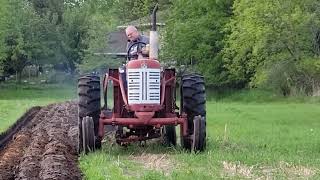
x,y
257,96
251,134
16,99
277,139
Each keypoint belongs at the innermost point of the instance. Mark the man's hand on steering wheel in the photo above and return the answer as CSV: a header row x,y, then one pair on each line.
x,y
139,49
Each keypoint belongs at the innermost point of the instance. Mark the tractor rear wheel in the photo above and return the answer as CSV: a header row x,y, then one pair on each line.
x,y
88,138
169,136
89,105
193,103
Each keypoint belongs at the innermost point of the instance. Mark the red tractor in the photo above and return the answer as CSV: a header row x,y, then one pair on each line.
x,y
144,98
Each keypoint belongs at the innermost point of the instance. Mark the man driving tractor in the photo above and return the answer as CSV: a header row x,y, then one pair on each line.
x,y
134,36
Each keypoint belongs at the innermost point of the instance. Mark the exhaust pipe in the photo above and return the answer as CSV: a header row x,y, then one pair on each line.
x,y
154,37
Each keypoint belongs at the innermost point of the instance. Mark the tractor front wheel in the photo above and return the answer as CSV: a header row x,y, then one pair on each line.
x,y
199,134
88,138
193,103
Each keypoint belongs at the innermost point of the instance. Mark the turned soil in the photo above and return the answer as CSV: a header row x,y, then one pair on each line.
x,y
45,147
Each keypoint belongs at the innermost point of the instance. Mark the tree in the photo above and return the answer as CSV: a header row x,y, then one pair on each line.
x,y
66,23
52,9
130,10
74,34
194,36
19,43
264,34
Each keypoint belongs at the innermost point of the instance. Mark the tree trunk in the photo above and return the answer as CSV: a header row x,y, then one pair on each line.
x,y
19,77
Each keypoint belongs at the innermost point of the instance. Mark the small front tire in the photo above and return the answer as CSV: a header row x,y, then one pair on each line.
x,y
88,138
199,134
169,136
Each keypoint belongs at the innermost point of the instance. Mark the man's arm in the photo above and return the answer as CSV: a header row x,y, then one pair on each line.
x,y
145,39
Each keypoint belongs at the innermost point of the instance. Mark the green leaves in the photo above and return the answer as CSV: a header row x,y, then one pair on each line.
x,y
246,42
270,32
231,42
194,36
43,32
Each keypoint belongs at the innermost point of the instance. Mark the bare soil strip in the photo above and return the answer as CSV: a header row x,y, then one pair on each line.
x,y
45,147
6,136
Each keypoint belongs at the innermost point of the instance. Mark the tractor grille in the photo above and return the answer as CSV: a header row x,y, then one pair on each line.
x,y
143,86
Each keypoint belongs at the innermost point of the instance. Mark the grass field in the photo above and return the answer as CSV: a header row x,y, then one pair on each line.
x,y
15,99
250,135
247,138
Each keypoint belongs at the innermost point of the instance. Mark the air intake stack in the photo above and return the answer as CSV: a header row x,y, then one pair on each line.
x,y
154,37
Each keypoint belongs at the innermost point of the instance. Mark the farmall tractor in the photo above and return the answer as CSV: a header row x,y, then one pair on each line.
x,y
144,98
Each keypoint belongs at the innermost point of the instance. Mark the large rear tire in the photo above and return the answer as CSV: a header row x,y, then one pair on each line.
x,y
193,103
89,105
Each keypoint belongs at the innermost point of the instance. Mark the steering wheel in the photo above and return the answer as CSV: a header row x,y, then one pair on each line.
x,y
129,56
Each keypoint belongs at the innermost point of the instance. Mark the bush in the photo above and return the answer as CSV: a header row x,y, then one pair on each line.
x,y
289,78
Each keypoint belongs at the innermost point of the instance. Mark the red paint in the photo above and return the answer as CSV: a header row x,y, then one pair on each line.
x,y
137,64
142,122
143,115
145,107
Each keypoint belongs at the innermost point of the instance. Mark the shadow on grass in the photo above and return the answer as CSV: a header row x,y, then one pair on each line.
x,y
155,146
151,147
